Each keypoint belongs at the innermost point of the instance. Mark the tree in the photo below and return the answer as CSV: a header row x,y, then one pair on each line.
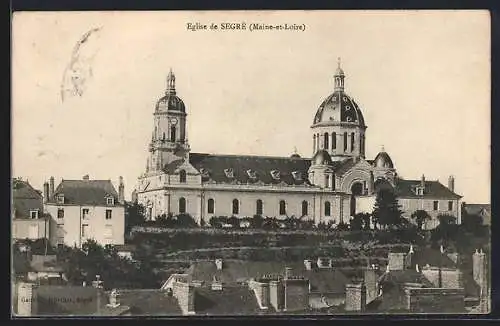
x,y
256,221
386,212
134,215
356,222
420,216
185,221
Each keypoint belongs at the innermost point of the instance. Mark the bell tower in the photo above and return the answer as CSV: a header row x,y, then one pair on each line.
x,y
168,140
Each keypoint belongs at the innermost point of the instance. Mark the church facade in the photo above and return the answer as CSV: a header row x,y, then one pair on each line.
x,y
336,183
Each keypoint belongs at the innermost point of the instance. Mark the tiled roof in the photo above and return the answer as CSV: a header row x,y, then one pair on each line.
x,y
25,198
321,280
433,257
86,192
231,300
433,189
41,263
241,164
477,209
149,302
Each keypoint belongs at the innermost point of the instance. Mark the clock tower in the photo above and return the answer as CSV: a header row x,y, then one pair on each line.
x,y
168,141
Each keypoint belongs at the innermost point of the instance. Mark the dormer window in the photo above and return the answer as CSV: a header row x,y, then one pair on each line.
x,y
229,173
60,199
419,190
297,175
204,173
275,174
110,201
349,119
34,214
252,174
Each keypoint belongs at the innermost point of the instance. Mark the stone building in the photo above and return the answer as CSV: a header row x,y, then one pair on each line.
x,y
86,209
337,182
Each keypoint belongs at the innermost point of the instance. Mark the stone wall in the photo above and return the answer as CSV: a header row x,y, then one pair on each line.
x,y
371,283
276,295
261,291
435,300
296,294
450,278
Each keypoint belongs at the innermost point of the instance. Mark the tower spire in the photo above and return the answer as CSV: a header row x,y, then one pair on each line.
x,y
170,83
339,77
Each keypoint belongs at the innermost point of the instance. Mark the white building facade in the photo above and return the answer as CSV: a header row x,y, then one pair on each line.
x,y
86,209
336,183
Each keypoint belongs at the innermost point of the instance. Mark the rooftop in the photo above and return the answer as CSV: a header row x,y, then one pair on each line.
x,y
86,192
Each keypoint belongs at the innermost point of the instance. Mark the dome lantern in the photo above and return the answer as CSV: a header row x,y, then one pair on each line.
x,y
170,83
339,77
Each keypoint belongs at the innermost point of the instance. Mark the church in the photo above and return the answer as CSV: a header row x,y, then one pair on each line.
x,y
336,183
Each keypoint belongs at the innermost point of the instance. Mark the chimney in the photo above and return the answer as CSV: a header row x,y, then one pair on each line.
x,y
308,265
86,177
422,181
114,299
45,192
370,280
479,269
355,297
51,187
218,264
451,183
121,191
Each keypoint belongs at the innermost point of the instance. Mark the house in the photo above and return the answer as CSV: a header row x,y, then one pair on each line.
x,y
45,269
86,209
28,218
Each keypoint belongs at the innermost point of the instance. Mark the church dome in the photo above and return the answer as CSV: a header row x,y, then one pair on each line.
x,y
383,160
321,158
170,102
338,106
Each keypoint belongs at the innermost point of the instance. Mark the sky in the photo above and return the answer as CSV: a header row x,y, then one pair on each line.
x,y
421,78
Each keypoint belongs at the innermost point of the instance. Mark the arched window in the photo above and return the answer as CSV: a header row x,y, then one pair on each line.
x,y
182,176
236,206
317,141
314,142
326,141
182,205
211,206
305,208
334,140
163,136
282,207
172,133
327,208
345,141
352,142
259,207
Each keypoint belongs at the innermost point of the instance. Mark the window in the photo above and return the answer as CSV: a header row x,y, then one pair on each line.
x,y
85,213
172,133
110,201
182,176
334,140
108,214
333,182
211,205
297,175
60,213
345,141
182,205
282,207
450,205
314,142
236,206
252,174
435,205
326,139
304,208
34,214
259,207
60,199
352,142
275,174
327,181
327,208
229,173
85,230
163,137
